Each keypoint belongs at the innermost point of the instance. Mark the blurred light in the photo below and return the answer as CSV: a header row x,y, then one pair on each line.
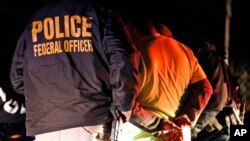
x,y
15,136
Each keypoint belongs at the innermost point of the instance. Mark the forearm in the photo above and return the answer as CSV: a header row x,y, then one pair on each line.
x,y
145,119
199,94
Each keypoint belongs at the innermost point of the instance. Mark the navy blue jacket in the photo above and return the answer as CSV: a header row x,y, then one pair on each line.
x,y
73,62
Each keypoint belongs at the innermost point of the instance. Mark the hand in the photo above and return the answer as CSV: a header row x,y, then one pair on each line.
x,y
178,133
182,121
168,126
175,131
173,135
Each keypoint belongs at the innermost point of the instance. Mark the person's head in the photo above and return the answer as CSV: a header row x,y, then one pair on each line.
x,y
140,25
163,29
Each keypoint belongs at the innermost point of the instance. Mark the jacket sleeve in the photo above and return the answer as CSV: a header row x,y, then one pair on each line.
x,y
197,97
123,61
16,71
215,73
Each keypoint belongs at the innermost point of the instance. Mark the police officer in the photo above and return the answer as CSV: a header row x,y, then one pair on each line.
x,y
73,63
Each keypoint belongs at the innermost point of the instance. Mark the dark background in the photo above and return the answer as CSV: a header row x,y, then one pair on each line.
x,y
191,21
